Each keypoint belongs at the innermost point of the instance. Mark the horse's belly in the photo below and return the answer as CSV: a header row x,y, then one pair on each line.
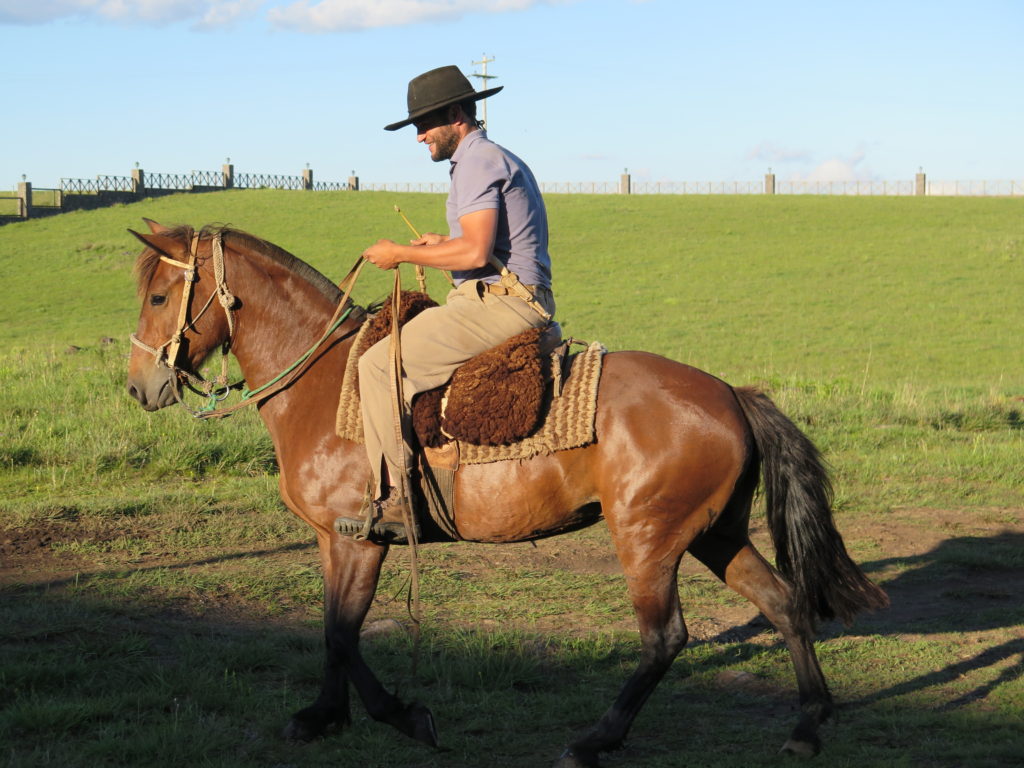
x,y
521,500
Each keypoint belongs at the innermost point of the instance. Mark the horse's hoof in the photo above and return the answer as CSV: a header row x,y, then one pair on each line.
x,y
418,723
800,748
570,759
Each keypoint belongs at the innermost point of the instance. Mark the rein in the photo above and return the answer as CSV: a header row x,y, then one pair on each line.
x,y
344,310
166,354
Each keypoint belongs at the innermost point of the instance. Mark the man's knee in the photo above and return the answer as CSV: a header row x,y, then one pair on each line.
x,y
373,365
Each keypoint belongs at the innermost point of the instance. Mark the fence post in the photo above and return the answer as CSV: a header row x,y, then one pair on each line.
x,y
307,178
769,183
353,182
625,185
25,199
228,172
920,187
139,182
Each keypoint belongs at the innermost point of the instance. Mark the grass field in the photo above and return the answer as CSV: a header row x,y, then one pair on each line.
x,y
160,607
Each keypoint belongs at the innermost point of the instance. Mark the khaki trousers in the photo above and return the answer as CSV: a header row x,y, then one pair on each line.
x,y
434,344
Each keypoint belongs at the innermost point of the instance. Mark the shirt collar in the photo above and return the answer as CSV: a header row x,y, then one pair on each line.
x,y
463,147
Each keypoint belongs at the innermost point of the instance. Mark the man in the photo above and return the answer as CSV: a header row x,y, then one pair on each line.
x,y
496,217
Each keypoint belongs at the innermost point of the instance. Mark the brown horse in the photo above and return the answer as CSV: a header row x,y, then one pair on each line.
x,y
674,469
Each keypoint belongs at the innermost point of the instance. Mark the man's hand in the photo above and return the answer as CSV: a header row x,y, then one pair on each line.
x,y
429,238
469,251
383,254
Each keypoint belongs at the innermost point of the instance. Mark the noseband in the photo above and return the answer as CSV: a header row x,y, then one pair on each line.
x,y
166,354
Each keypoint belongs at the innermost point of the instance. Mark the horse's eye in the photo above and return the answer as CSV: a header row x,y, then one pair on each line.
x,y
157,299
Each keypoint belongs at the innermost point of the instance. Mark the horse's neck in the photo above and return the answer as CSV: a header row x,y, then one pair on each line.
x,y
281,319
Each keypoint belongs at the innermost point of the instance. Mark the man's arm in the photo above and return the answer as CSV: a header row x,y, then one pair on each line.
x,y
470,251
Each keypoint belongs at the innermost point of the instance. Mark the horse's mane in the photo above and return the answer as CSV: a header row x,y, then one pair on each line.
x,y
149,259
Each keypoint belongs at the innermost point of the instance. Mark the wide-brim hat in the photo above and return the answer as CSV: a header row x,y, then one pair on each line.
x,y
437,89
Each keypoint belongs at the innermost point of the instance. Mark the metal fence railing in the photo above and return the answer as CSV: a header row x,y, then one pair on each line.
x,y
106,189
976,188
884,188
11,205
697,188
207,178
268,181
99,184
172,181
580,188
434,187
44,197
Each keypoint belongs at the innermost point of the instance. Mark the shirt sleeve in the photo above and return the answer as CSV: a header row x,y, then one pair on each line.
x,y
480,186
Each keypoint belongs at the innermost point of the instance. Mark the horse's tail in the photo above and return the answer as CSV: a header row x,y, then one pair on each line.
x,y
809,551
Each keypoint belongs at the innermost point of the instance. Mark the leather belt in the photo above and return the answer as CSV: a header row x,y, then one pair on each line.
x,y
500,290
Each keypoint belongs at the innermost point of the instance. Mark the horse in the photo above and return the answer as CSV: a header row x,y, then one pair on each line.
x,y
677,459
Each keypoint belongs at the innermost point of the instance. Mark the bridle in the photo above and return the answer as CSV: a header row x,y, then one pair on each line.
x,y
217,391
166,354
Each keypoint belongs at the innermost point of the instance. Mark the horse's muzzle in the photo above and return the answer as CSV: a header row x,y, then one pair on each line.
x,y
155,391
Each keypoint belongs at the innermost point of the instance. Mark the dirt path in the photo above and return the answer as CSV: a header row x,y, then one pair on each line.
x,y
945,570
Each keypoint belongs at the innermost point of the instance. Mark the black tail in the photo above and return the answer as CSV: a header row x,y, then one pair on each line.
x,y
809,552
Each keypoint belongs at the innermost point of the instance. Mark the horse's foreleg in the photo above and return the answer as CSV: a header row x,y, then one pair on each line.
x,y
351,571
738,564
655,597
350,581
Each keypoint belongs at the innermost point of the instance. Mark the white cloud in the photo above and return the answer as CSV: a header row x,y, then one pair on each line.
x,y
224,12
297,15
203,13
832,170
839,168
347,15
768,152
852,168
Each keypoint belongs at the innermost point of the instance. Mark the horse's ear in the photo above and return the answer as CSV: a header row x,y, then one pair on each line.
x,y
160,243
156,227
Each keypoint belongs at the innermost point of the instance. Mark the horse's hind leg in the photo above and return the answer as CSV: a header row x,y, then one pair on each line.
x,y
655,597
733,559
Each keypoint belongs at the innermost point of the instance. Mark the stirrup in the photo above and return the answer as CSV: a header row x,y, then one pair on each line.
x,y
373,527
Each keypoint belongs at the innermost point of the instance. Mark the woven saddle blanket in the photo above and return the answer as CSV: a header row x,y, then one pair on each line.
x,y
565,410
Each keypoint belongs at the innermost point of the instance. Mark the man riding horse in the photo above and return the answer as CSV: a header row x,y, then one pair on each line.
x,y
496,219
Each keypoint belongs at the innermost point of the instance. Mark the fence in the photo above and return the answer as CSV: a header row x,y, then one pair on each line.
x,y
75,194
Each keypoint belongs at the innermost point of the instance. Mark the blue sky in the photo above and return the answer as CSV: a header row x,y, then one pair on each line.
x,y
670,89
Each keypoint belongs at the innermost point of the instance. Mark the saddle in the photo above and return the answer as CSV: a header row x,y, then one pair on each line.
x,y
526,397
496,398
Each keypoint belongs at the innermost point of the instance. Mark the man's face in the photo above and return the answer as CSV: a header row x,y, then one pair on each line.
x,y
437,133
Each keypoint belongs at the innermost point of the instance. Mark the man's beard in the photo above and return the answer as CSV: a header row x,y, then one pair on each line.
x,y
445,144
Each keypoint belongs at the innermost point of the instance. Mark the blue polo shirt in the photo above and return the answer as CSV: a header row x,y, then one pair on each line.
x,y
487,176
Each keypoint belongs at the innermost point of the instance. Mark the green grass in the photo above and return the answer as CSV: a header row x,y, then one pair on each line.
x,y
176,692
872,291
176,617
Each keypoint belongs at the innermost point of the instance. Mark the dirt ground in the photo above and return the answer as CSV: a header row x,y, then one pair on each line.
x,y
944,570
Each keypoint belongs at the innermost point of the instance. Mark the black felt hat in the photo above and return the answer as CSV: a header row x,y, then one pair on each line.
x,y
436,89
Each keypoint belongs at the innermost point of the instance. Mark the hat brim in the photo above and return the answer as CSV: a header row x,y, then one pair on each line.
x,y
414,116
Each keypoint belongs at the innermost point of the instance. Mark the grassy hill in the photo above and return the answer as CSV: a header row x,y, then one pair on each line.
x,y
160,607
874,290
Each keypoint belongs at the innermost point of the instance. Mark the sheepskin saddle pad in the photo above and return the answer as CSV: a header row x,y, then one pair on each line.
x,y
495,400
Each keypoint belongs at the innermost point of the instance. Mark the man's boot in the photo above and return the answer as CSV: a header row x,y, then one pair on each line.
x,y
382,520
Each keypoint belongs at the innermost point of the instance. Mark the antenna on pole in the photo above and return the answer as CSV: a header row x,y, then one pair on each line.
x,y
485,77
